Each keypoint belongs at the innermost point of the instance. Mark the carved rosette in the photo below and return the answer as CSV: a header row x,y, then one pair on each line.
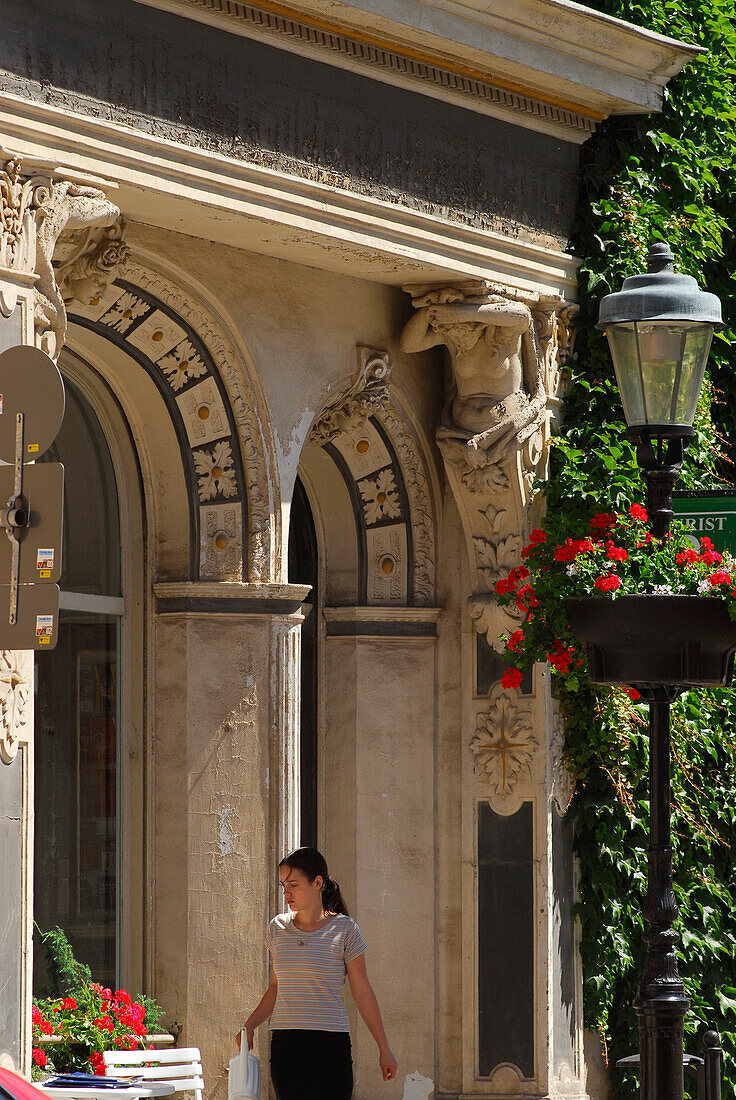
x,y
15,691
503,745
368,394
507,351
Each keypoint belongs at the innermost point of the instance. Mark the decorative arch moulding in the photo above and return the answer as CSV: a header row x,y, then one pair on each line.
x,y
224,456
388,484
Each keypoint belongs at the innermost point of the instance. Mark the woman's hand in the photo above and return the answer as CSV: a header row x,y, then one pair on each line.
x,y
388,1064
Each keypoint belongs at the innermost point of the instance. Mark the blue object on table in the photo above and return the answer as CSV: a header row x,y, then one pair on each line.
x,y
91,1080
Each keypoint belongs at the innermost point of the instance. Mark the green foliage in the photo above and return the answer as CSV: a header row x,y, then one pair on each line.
x,y
67,976
663,176
82,1016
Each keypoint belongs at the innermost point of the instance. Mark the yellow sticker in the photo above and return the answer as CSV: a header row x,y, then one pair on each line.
x,y
44,640
32,447
44,573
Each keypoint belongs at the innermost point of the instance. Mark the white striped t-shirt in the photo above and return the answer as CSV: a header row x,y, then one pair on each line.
x,y
310,969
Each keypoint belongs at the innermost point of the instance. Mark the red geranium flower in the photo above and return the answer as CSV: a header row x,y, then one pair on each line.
x,y
607,583
686,557
602,522
46,1028
39,1058
122,997
637,512
706,543
719,577
69,1003
711,557
512,678
537,537
515,641
96,1058
616,553
104,1023
633,694
36,1016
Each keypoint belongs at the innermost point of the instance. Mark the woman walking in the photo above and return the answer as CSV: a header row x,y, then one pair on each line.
x,y
313,948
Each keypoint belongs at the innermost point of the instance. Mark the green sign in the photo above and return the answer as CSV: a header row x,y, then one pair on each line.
x,y
709,513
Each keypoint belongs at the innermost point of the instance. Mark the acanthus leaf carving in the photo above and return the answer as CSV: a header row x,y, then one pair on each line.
x,y
367,395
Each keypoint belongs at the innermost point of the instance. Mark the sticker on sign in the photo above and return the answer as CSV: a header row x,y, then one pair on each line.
x,y
44,626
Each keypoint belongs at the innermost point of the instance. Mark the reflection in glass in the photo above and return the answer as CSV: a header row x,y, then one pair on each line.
x,y
91,551
76,792
76,713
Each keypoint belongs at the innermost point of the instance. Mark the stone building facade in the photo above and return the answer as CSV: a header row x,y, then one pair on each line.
x,y
304,272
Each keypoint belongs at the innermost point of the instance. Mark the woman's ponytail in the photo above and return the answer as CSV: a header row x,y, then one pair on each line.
x,y
313,863
332,901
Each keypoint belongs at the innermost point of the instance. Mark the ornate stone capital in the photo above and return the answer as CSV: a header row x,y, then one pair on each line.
x,y
368,394
35,210
507,353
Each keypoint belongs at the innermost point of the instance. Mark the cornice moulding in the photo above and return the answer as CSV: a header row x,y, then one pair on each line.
x,y
565,54
181,188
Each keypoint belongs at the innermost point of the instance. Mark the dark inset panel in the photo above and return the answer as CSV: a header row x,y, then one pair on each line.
x,y
304,569
563,886
200,85
506,939
490,667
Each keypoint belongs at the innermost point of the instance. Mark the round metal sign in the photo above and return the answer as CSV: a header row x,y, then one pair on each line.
x,y
30,383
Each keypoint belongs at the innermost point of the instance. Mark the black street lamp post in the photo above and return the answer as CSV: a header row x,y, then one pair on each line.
x,y
659,328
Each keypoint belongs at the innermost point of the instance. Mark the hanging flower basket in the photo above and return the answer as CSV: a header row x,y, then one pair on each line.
x,y
607,601
647,639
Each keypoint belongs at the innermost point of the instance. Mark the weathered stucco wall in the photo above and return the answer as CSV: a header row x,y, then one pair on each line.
x,y
199,85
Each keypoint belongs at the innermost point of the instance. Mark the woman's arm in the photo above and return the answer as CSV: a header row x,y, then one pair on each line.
x,y
365,999
262,1012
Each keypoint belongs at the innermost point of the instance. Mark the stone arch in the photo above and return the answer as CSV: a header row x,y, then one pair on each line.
x,y
386,502
205,383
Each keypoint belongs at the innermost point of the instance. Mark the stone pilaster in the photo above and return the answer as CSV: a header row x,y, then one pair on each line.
x,y
521,1020
224,799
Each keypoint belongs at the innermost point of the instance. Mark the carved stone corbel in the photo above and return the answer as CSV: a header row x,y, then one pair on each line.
x,y
368,394
504,745
35,210
506,353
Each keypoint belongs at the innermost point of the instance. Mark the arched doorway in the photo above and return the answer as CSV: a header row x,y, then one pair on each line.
x,y
77,711
304,569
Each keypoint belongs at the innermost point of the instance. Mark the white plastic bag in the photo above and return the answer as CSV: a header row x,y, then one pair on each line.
x,y
244,1078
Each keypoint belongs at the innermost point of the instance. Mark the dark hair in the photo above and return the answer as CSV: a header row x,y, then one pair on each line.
x,y
313,863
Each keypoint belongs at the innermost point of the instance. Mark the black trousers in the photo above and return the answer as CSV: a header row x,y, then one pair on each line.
x,y
311,1065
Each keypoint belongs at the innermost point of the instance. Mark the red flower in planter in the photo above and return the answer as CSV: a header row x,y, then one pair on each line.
x,y
602,522
607,583
616,553
686,557
69,1003
104,1023
637,512
719,577
515,641
46,1027
36,1016
512,678
633,694
39,1058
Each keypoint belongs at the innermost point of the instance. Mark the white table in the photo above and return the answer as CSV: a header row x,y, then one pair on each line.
x,y
89,1092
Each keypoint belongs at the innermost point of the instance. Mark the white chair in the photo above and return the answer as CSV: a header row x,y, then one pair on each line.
x,y
181,1068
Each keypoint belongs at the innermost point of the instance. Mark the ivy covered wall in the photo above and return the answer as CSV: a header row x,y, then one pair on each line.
x,y
668,176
